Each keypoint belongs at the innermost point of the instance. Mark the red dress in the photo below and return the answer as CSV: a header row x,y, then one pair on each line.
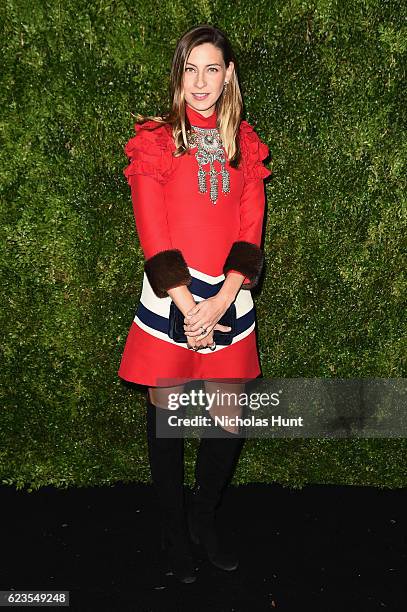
x,y
184,234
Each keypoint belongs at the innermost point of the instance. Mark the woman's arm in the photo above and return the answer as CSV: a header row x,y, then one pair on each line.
x,y
183,298
230,288
245,255
164,265
150,167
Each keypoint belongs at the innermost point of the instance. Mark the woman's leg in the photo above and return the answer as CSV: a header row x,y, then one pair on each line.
x,y
226,402
166,457
215,464
159,396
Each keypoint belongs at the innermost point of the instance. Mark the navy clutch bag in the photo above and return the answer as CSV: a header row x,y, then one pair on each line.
x,y
176,325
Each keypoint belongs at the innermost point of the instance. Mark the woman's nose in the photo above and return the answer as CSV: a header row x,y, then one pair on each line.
x,y
200,80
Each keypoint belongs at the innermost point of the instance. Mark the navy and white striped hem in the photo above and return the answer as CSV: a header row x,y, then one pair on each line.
x,y
152,314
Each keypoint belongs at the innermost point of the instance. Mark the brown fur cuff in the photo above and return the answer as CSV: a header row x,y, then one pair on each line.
x,y
247,258
166,270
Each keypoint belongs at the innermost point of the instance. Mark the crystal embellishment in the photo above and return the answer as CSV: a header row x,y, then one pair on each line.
x,y
209,150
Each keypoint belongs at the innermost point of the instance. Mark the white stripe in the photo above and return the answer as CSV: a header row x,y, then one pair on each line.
x,y
206,277
205,351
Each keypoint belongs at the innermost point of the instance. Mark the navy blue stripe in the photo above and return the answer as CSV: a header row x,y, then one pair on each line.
x,y
204,289
159,323
152,319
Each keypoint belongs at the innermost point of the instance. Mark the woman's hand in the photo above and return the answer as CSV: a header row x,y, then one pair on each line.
x,y
206,314
204,343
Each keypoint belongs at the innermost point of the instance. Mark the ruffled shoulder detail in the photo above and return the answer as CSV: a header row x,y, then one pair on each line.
x,y
150,152
253,152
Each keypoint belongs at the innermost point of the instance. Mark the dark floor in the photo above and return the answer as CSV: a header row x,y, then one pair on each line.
x,y
322,548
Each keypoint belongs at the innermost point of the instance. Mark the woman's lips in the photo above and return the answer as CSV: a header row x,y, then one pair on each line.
x,y
200,96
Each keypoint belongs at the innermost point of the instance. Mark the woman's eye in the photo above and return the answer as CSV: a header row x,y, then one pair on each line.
x,y
190,68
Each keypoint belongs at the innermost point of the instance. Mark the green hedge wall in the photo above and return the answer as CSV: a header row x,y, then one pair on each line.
x,y
322,83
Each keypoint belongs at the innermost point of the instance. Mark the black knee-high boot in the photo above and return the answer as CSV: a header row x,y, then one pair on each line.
x,y
167,471
215,464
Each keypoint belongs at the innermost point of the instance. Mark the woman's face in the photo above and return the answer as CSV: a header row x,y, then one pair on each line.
x,y
205,73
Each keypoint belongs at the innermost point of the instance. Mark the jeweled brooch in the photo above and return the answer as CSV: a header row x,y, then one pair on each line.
x,y
209,150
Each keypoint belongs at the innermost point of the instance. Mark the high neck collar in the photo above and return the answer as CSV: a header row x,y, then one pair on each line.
x,y
196,118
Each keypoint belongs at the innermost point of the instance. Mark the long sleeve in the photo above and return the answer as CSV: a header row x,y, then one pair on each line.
x,y
245,255
147,173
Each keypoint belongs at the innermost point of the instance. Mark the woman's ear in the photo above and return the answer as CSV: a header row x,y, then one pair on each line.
x,y
229,71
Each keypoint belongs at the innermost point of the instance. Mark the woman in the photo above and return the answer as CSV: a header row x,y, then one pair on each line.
x,y
196,178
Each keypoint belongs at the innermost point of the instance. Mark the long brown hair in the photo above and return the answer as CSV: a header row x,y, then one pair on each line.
x,y
228,106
